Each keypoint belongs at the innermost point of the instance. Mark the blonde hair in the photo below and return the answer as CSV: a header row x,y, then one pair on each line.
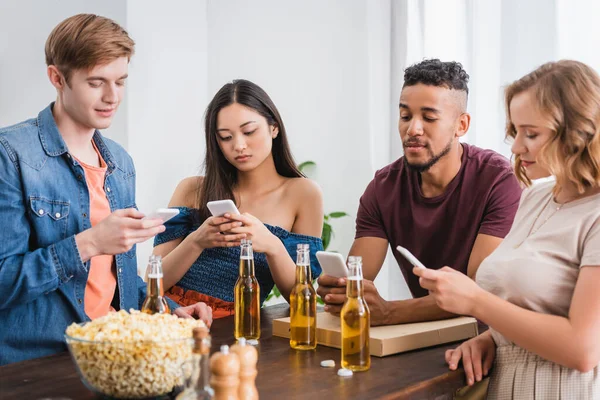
x,y
86,40
567,93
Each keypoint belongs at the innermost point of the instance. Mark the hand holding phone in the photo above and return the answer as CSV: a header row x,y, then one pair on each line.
x,y
409,256
162,213
218,208
333,264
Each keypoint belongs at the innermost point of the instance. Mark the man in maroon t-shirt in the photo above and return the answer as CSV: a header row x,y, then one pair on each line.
x,y
447,202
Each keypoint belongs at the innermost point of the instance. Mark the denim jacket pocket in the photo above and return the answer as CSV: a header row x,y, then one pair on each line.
x,y
52,217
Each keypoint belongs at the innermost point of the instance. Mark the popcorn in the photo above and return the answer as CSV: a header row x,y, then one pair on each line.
x,y
133,355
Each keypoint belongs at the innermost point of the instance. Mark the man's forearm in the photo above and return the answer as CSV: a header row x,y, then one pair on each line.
x,y
415,310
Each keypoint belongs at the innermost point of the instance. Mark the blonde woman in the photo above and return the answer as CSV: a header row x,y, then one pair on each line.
x,y
538,291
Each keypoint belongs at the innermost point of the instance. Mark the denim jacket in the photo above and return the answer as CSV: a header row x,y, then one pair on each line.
x,y
44,203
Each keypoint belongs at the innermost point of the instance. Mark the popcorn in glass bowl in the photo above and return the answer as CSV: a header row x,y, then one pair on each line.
x,y
131,355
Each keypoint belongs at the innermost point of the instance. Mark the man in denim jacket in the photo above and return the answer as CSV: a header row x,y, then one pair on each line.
x,y
59,232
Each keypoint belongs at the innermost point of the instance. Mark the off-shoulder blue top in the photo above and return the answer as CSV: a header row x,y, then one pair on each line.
x,y
216,270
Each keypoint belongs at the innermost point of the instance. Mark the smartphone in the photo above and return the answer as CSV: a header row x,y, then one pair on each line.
x,y
162,213
218,208
409,256
332,263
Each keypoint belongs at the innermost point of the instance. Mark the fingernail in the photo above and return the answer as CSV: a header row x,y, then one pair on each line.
x,y
327,298
326,308
452,366
478,378
470,382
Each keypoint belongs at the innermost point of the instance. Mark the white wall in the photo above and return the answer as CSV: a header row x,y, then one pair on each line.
x,y
167,95
24,28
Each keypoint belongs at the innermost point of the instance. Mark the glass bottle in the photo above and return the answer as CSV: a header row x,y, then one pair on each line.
x,y
155,302
355,320
247,296
303,304
197,385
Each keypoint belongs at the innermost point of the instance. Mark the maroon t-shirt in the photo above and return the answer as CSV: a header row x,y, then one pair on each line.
x,y
482,198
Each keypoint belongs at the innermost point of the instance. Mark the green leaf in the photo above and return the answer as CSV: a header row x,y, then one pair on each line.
x,y
276,291
326,218
326,235
338,214
305,164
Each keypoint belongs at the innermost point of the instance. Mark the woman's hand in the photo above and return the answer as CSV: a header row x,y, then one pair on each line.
x,y
453,291
477,356
217,232
197,311
263,241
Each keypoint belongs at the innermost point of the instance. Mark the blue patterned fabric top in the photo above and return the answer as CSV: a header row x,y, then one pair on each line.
x,y
215,272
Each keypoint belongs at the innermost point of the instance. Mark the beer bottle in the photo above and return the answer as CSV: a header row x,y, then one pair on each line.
x,y
155,302
355,320
247,296
202,343
303,304
198,382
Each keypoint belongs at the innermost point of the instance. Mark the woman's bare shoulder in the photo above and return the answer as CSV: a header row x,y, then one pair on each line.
x,y
304,190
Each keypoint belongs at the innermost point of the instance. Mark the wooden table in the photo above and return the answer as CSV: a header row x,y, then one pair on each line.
x,y
283,373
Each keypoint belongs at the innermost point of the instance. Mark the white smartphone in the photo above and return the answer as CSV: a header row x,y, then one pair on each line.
x,y
218,208
162,213
332,263
409,256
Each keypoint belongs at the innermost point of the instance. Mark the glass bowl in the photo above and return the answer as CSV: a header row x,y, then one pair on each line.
x,y
135,369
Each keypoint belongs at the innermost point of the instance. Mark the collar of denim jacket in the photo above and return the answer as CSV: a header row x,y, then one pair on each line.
x,y
54,145
51,139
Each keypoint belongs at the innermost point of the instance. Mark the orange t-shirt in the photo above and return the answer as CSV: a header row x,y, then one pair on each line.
x,y
102,279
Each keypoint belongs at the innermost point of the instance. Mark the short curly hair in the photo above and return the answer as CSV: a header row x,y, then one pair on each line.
x,y
433,72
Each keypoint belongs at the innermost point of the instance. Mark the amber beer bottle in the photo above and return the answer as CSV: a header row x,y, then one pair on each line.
x,y
303,304
155,302
247,296
355,320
